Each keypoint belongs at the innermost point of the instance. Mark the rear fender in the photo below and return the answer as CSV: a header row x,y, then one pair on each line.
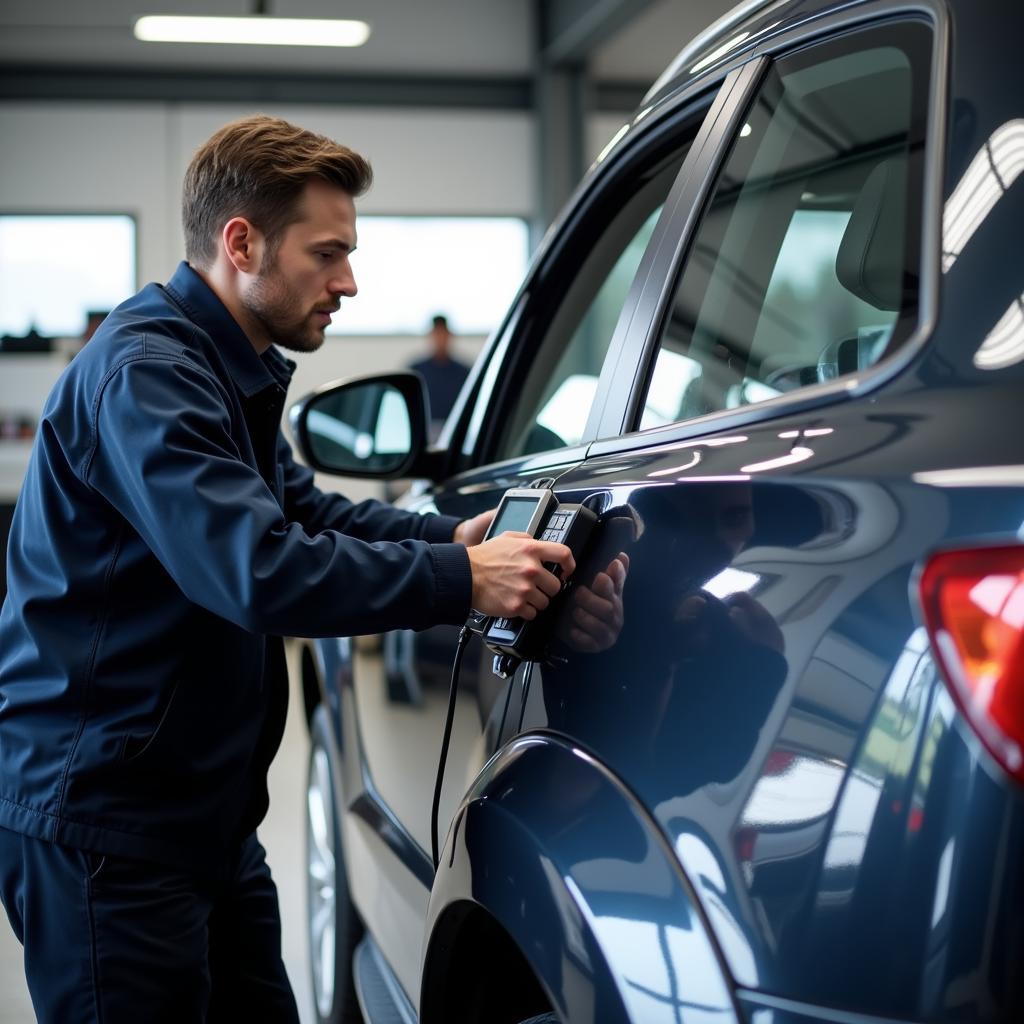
x,y
561,855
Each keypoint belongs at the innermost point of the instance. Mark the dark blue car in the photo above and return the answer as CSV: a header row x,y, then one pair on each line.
x,y
769,766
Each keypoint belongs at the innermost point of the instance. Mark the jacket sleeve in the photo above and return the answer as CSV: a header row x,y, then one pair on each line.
x,y
162,454
368,520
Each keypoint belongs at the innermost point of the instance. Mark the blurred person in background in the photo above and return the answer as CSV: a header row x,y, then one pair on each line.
x,y
442,373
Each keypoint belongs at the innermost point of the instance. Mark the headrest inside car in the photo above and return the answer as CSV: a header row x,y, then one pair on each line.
x,y
869,262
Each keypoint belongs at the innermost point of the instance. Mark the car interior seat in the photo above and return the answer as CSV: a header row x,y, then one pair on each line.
x,y
870,265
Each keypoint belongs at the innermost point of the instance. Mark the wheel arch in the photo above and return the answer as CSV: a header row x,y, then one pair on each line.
x,y
556,851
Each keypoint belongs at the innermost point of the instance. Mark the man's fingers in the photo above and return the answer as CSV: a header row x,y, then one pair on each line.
x,y
583,642
617,570
549,583
586,599
584,620
559,553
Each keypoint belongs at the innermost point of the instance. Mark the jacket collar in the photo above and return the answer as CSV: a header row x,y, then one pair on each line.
x,y
250,371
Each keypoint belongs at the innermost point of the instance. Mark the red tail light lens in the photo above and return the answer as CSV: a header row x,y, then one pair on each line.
x,y
973,605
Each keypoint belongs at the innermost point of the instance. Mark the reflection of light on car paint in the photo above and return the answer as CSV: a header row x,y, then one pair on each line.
x,y
711,442
791,458
700,861
991,173
720,52
906,665
740,13
731,581
858,804
610,144
942,882
1004,344
810,432
642,114
650,956
805,791
569,912
672,470
724,478
731,940
644,974
972,476
849,835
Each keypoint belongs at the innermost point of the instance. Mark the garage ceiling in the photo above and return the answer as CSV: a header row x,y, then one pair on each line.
x,y
495,39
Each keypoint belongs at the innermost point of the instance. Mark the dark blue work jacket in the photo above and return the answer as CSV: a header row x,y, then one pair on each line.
x,y
164,539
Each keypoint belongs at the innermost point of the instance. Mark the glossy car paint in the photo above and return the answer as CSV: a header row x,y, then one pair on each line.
x,y
690,826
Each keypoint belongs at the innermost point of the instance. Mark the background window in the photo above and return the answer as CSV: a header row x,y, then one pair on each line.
x,y
56,269
805,266
409,268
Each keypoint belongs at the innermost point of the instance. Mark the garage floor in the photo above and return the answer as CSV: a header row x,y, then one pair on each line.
x,y
282,834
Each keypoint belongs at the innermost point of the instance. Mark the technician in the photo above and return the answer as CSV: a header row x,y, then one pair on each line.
x,y
164,542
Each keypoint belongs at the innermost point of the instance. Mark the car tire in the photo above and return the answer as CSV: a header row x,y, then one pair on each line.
x,y
333,926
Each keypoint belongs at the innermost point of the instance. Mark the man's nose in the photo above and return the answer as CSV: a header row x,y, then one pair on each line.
x,y
343,284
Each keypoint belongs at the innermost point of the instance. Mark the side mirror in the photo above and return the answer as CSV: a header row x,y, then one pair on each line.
x,y
368,427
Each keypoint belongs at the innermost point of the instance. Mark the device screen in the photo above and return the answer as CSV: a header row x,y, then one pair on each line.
x,y
515,515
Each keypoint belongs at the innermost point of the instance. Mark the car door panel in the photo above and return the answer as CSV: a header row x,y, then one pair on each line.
x,y
786,822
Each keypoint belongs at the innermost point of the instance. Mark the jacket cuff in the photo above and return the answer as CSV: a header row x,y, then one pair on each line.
x,y
439,529
454,579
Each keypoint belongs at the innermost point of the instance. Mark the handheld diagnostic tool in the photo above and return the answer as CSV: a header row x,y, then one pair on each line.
x,y
533,510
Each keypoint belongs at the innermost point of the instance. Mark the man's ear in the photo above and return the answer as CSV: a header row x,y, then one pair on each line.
x,y
243,245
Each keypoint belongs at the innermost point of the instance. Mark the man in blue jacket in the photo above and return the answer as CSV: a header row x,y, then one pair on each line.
x,y
163,543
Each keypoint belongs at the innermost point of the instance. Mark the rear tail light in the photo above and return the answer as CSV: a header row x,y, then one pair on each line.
x,y
973,604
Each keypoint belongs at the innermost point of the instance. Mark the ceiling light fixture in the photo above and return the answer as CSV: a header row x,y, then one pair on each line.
x,y
258,30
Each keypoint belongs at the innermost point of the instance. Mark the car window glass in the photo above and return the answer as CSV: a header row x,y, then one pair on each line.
x,y
805,266
559,386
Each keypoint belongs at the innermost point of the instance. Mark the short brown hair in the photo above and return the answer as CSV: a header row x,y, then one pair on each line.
x,y
257,168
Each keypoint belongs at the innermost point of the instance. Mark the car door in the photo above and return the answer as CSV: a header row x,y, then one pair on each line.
x,y
766,690
527,416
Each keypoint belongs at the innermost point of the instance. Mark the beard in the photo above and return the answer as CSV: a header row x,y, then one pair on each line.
x,y
281,314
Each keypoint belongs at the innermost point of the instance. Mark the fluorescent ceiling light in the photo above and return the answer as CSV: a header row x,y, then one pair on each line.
x,y
260,30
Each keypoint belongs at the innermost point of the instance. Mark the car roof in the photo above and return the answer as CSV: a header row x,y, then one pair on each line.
x,y
741,28
732,30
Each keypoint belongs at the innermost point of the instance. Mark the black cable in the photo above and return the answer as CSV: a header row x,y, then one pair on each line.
x,y
452,693
527,678
504,711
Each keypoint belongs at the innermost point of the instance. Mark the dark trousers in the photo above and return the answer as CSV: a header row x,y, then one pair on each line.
x,y
111,940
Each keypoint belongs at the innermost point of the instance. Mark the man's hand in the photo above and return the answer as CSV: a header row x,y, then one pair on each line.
x,y
509,578
471,531
595,614
751,619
